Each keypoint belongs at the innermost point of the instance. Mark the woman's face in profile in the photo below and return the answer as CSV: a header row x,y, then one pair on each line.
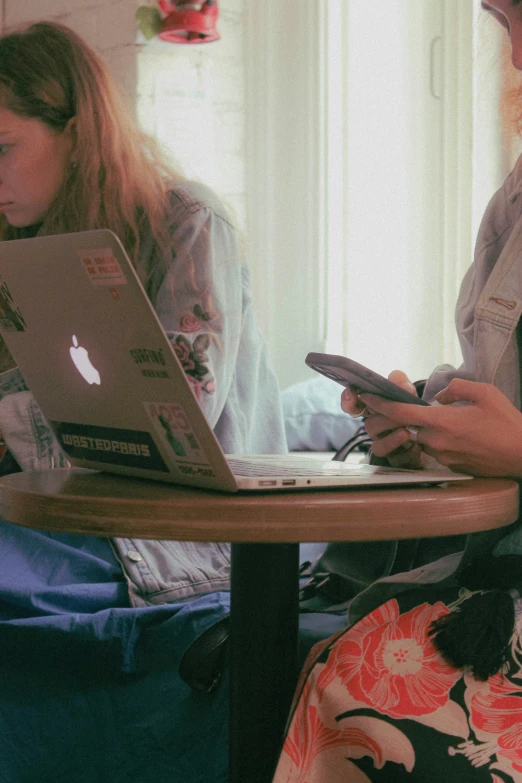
x,y
34,162
509,14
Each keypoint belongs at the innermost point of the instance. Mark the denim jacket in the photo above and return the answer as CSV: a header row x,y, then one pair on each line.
x,y
487,314
490,299
203,299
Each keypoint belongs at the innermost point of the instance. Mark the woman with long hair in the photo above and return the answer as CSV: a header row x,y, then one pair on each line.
x,y
92,630
425,684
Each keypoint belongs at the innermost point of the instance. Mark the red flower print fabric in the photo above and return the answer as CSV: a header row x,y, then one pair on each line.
x,y
388,662
496,718
313,748
381,706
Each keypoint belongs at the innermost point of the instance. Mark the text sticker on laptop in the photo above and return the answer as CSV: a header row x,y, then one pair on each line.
x,y
151,362
101,267
110,445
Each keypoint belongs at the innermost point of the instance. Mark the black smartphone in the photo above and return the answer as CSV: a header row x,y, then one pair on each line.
x,y
349,373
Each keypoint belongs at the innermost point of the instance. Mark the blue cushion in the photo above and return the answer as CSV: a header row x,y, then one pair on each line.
x,y
314,419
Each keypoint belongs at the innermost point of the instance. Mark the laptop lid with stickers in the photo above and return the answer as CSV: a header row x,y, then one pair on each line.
x,y
92,350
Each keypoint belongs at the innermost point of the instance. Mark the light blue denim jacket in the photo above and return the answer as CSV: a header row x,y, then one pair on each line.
x,y
490,299
203,299
487,314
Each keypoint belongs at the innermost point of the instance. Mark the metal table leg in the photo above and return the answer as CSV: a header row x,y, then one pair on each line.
x,y
263,655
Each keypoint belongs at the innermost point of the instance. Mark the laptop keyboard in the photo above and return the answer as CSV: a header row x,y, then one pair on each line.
x,y
245,468
242,467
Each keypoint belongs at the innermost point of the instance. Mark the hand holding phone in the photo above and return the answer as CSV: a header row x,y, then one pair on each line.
x,y
347,372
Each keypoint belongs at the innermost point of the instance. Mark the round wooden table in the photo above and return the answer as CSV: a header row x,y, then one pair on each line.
x,y
265,529
100,504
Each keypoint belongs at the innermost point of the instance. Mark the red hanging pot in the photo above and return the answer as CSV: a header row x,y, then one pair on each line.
x,y
189,22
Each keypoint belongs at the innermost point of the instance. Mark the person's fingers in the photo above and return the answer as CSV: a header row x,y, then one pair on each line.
x,y
351,403
376,425
401,379
460,390
389,443
402,413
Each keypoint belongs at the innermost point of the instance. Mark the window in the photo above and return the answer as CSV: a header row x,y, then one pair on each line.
x,y
366,129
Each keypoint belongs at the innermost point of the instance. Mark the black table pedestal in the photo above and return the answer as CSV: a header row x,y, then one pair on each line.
x,y
263,655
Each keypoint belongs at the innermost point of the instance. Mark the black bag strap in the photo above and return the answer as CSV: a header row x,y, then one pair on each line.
x,y
203,662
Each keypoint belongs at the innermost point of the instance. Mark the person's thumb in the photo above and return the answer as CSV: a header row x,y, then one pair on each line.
x,y
401,379
459,390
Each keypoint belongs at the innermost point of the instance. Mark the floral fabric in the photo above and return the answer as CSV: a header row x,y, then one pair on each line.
x,y
190,345
380,705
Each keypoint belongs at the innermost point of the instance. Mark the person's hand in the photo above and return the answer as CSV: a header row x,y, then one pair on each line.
x,y
483,437
390,440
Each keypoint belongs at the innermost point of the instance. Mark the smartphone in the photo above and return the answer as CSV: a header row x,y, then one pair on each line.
x,y
349,373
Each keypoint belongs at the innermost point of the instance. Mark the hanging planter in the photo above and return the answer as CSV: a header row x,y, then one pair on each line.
x,y
181,21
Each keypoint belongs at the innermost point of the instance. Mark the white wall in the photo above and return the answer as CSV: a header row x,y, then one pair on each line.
x,y
108,26
189,95
360,229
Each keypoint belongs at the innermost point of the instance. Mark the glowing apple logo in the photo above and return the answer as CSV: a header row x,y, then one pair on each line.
x,y
82,362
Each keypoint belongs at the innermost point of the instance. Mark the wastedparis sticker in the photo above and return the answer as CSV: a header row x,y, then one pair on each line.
x,y
112,445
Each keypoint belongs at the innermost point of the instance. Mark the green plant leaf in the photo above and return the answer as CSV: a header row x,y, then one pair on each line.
x,y
148,20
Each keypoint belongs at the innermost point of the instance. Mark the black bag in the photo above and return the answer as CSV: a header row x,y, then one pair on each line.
x,y
344,569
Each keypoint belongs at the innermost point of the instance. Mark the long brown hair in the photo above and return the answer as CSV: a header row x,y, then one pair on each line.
x,y
118,178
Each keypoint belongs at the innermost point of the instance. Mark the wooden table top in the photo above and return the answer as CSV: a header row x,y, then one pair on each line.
x,y
81,501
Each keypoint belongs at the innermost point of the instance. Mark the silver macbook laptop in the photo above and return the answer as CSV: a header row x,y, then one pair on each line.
x,y
88,342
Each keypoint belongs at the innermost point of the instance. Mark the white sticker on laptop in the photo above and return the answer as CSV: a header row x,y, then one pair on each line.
x,y
176,433
102,268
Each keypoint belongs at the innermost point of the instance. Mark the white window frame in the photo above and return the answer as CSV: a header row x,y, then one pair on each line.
x,y
297,139
285,176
